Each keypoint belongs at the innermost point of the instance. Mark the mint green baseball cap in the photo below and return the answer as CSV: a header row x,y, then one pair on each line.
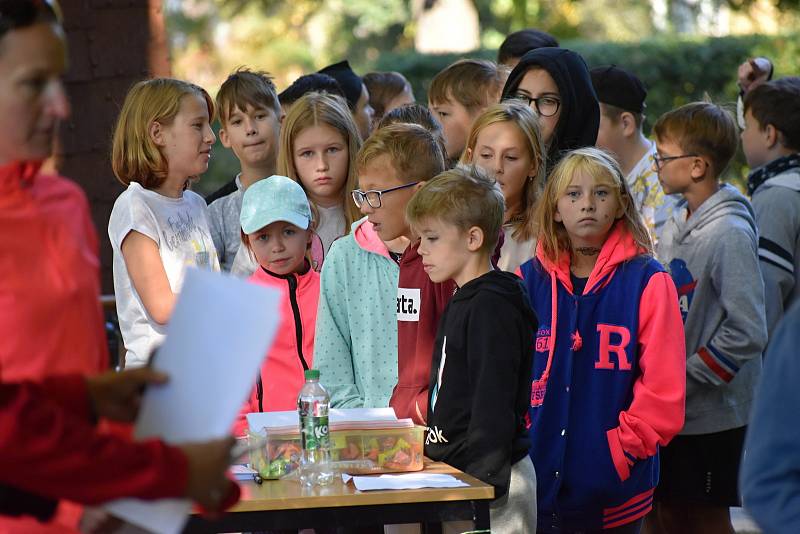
x,y
276,198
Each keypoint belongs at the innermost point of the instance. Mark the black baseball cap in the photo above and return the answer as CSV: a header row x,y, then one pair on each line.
x,y
349,81
618,87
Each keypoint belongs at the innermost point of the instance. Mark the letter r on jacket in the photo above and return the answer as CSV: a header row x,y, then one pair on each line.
x,y
606,348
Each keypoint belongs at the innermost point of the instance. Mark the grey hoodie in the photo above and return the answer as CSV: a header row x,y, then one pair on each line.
x,y
777,206
713,259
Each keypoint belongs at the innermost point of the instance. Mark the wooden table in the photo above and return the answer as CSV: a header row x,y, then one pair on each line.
x,y
277,504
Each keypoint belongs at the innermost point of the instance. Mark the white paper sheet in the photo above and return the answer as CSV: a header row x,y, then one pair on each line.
x,y
217,337
404,481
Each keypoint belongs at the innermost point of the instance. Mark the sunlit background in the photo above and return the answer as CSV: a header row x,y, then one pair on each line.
x,y
683,49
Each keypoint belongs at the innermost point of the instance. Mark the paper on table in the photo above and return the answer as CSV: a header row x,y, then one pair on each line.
x,y
219,332
405,481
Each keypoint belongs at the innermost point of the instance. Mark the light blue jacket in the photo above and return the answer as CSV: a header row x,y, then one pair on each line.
x,y
771,466
355,347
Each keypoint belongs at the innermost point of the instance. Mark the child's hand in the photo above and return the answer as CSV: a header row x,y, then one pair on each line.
x,y
753,72
208,462
117,396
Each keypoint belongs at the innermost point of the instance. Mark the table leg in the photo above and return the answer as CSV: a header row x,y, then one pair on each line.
x,y
480,510
431,528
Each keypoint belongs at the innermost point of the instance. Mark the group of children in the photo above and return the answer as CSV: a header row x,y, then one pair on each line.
x,y
575,312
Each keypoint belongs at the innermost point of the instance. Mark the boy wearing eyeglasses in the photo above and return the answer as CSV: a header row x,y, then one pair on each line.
x,y
461,92
622,104
710,246
356,345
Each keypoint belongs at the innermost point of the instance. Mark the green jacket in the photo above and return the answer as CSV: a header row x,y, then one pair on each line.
x,y
355,345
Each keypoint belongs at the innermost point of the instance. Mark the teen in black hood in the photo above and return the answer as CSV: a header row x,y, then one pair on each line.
x,y
578,112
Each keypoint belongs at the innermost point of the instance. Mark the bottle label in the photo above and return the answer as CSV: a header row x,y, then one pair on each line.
x,y
314,433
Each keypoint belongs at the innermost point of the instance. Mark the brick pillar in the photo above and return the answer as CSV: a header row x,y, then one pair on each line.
x,y
112,44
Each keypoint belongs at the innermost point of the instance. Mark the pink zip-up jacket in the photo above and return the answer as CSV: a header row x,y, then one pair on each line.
x,y
292,351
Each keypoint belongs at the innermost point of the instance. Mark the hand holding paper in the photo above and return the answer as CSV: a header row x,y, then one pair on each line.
x,y
218,334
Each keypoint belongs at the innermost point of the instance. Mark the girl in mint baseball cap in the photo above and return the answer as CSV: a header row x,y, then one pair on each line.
x,y
277,228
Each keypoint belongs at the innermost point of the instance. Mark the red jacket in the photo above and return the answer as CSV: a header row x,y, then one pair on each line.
x,y
49,287
49,447
420,305
50,316
292,351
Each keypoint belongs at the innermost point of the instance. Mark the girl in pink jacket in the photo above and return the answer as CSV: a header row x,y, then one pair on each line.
x,y
277,229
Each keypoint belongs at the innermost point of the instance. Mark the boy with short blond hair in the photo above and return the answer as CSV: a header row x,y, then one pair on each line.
x,y
771,144
249,114
479,383
461,92
356,337
710,247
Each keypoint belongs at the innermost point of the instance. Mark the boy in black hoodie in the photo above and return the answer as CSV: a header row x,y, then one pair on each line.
x,y
555,83
480,386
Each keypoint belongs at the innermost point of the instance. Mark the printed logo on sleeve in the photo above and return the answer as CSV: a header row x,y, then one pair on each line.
x,y
684,283
408,304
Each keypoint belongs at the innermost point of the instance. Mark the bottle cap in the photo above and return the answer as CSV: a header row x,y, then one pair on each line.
x,y
312,374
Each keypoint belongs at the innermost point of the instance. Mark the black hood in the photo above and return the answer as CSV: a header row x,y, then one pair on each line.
x,y
502,283
580,112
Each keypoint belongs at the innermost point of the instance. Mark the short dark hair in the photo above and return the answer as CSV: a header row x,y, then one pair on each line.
x,y
518,43
315,82
243,87
17,14
701,128
383,87
777,103
614,113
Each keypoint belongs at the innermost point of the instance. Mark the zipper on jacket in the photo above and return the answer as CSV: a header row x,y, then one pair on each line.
x,y
291,279
298,325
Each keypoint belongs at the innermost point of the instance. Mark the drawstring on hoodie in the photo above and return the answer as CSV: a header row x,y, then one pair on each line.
x,y
539,387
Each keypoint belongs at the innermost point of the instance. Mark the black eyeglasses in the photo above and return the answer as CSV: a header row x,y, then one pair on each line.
x,y
546,106
23,13
373,197
660,161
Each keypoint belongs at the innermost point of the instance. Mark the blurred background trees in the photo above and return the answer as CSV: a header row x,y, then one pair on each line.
x,y
683,49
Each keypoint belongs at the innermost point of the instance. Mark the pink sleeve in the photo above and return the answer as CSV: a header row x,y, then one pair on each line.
x,y
659,394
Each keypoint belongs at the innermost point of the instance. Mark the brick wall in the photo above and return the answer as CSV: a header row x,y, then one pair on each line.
x,y
112,44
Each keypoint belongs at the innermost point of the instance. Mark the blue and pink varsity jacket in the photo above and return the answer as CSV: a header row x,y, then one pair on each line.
x,y
608,385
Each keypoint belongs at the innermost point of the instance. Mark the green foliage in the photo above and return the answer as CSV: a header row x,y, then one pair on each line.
x,y
676,71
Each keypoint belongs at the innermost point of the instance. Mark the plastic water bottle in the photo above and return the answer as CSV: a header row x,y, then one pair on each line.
x,y
312,406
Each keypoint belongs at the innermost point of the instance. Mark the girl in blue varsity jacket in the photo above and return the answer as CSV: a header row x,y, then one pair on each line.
x,y
608,377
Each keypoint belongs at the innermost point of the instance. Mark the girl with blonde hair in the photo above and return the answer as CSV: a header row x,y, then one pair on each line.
x,y
505,141
609,362
158,227
318,147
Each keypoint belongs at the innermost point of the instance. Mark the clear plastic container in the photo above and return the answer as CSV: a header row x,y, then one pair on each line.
x,y
358,452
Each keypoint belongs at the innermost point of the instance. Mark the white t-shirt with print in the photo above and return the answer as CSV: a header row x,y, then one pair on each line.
x,y
180,228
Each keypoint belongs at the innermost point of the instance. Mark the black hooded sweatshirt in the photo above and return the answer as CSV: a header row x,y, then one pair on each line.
x,y
580,113
480,379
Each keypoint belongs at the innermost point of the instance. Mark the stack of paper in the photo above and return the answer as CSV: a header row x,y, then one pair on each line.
x,y
404,481
338,419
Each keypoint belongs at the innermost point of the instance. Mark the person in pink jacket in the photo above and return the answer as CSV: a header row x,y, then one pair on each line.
x,y
277,229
